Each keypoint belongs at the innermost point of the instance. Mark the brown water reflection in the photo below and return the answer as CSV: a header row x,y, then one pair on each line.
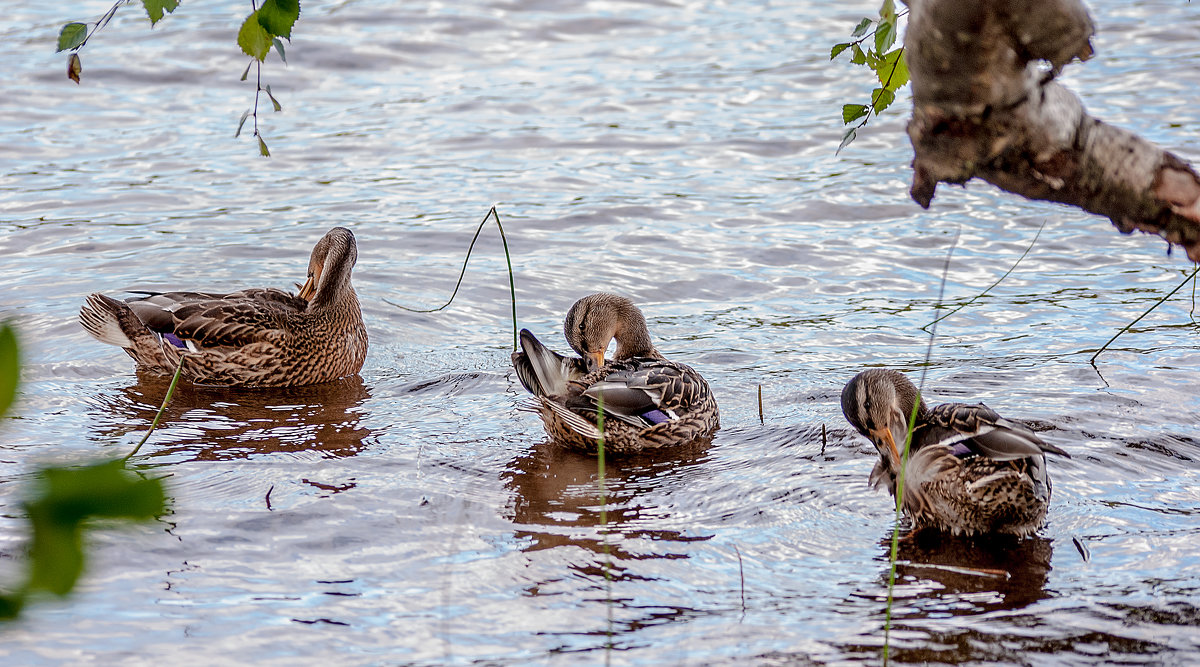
x,y
210,424
557,498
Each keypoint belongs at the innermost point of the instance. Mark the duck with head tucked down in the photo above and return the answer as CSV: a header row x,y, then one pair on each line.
x,y
259,337
646,402
969,470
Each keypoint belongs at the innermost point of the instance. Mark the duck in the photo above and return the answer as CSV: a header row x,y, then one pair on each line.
x,y
637,401
257,337
969,471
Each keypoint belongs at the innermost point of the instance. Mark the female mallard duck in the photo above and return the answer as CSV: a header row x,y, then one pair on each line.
x,y
252,338
969,472
647,402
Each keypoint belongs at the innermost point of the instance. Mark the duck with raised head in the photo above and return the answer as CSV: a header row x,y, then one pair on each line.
x,y
258,337
647,401
969,470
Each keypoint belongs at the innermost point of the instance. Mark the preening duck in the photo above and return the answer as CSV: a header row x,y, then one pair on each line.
x,y
969,472
647,401
258,337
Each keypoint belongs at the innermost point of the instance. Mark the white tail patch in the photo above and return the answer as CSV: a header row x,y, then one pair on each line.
x,y
102,324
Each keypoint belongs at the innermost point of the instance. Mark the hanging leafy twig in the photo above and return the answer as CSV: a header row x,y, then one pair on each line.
x,y
1191,276
889,66
75,35
512,284
989,287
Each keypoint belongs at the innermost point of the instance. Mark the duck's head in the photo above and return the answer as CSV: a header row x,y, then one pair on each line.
x,y
329,267
878,402
595,320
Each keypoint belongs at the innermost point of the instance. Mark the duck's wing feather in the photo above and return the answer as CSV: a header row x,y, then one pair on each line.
x,y
645,391
218,320
984,431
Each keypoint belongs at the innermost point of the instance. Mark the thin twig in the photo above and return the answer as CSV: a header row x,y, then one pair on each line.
x,y
760,408
989,287
1158,303
741,577
162,408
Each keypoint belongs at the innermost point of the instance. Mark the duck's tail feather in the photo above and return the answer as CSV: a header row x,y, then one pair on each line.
x,y
109,320
542,371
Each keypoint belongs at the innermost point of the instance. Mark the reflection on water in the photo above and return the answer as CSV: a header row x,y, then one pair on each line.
x,y
210,424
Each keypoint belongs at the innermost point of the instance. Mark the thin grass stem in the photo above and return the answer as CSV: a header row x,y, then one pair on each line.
x,y
912,418
512,284
989,287
162,408
1158,303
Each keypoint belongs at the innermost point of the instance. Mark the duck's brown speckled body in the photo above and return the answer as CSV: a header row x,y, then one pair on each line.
x,y
648,401
250,338
969,472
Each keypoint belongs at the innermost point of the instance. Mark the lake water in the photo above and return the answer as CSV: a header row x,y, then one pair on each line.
x,y
681,153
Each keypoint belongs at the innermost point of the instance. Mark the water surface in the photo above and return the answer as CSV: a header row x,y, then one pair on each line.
x,y
679,153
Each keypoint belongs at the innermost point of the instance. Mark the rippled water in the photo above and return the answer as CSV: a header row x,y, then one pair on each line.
x,y
680,153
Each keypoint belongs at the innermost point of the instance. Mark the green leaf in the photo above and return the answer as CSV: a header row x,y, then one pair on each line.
x,y
71,36
10,367
246,72
861,29
155,8
885,35
893,70
847,138
883,99
279,49
858,57
887,11
274,102
253,39
852,112
838,48
278,16
67,497
262,147
245,115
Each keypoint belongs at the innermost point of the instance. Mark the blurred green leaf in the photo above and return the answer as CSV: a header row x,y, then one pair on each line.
x,y
279,49
861,29
10,367
155,8
253,38
245,115
10,606
893,71
852,112
71,36
278,16
262,148
65,498
883,99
